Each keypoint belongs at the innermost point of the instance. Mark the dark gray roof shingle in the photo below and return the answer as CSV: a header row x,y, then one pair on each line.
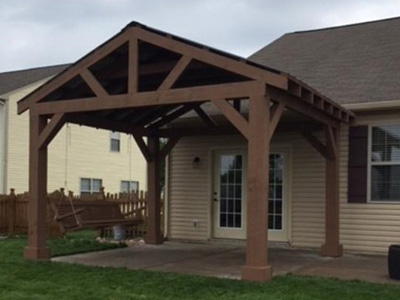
x,y
348,64
10,81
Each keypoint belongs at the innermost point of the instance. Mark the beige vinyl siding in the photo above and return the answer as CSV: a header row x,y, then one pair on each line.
x,y
365,228
88,149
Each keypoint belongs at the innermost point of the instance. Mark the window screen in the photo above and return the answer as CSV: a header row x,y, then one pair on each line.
x,y
385,163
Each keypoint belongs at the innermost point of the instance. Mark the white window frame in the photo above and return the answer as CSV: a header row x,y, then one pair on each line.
x,y
114,135
91,185
370,164
130,182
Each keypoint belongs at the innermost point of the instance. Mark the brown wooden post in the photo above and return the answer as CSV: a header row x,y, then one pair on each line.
x,y
257,267
332,246
153,235
37,208
11,212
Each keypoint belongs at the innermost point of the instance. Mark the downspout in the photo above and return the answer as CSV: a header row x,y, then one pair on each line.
x,y
3,158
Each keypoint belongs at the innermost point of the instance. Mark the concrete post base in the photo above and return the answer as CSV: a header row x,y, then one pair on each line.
x,y
154,240
261,274
331,250
37,253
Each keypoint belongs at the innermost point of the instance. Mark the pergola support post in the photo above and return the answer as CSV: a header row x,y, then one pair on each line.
x,y
332,246
153,235
37,248
256,267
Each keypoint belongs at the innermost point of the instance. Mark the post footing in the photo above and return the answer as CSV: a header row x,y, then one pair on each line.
x,y
330,250
154,240
37,253
261,274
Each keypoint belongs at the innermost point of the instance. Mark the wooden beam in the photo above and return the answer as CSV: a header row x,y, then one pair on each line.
x,y
315,143
168,147
172,116
133,78
175,96
147,153
205,117
153,234
332,246
233,116
331,143
93,84
175,73
74,70
275,115
37,210
51,130
102,123
257,267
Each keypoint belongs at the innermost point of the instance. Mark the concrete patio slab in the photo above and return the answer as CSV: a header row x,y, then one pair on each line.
x,y
225,261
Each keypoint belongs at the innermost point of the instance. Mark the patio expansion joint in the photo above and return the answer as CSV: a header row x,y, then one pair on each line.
x,y
189,258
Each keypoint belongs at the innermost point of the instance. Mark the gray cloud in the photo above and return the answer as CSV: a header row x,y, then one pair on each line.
x,y
44,32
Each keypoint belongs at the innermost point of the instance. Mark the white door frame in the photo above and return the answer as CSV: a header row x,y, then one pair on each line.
x,y
274,235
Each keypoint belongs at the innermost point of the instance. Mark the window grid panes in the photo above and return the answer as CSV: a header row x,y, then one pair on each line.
x,y
385,163
275,203
230,205
115,141
129,186
90,186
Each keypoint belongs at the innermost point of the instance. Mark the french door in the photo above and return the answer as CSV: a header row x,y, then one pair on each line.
x,y
229,198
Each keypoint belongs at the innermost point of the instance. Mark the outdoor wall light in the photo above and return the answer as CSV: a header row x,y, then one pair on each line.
x,y
196,161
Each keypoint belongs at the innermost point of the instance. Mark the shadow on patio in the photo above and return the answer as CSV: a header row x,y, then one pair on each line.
x,y
225,261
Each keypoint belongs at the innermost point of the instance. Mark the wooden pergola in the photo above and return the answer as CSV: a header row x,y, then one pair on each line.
x,y
140,81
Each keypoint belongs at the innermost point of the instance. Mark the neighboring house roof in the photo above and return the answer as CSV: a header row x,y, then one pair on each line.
x,y
349,64
10,81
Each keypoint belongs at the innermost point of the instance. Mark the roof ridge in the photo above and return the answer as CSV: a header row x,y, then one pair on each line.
x,y
344,26
34,68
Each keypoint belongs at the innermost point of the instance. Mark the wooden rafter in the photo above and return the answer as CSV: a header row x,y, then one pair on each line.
x,y
174,115
233,116
51,130
211,58
294,103
98,122
175,73
205,117
73,71
92,82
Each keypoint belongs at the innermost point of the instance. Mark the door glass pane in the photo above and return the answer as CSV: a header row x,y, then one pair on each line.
x,y
230,191
275,213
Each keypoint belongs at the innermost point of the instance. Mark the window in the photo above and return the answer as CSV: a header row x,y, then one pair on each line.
x,y
115,141
129,186
90,186
385,163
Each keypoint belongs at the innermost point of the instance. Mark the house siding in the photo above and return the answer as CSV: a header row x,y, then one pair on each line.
x,y
364,228
89,154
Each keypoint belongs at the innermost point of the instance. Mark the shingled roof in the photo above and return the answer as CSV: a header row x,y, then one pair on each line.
x,y
10,81
348,64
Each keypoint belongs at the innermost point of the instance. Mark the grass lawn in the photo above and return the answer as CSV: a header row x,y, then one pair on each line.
x,y
21,279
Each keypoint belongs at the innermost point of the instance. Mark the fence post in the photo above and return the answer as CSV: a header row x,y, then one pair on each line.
x,y
11,212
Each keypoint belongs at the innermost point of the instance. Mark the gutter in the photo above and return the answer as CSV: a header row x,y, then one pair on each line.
x,y
365,106
3,158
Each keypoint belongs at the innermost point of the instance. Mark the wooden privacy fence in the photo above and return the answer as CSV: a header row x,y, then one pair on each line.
x,y
14,211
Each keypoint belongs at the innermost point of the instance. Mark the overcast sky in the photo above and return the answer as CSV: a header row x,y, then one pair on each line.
x,y
46,32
